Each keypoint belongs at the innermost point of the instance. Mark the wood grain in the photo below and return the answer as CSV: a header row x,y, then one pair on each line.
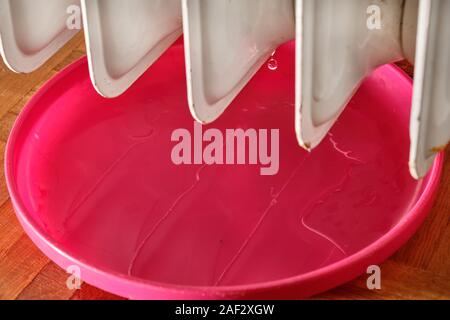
x,y
420,270
3,191
48,284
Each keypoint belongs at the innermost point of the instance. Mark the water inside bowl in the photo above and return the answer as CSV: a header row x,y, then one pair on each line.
x,y
98,177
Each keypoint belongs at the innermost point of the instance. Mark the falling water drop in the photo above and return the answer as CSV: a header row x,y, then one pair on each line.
x,y
272,64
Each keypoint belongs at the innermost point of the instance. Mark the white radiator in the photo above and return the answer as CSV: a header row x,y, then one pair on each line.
x,y
339,42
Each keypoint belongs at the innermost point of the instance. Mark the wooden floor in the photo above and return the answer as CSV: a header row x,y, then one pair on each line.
x,y
420,270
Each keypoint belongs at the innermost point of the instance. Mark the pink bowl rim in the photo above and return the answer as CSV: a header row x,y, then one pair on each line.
x,y
417,212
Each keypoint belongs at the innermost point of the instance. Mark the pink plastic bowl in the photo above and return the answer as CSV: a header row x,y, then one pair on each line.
x,y
94,186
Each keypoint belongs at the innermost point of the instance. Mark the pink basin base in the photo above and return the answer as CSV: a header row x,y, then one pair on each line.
x,y
94,186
